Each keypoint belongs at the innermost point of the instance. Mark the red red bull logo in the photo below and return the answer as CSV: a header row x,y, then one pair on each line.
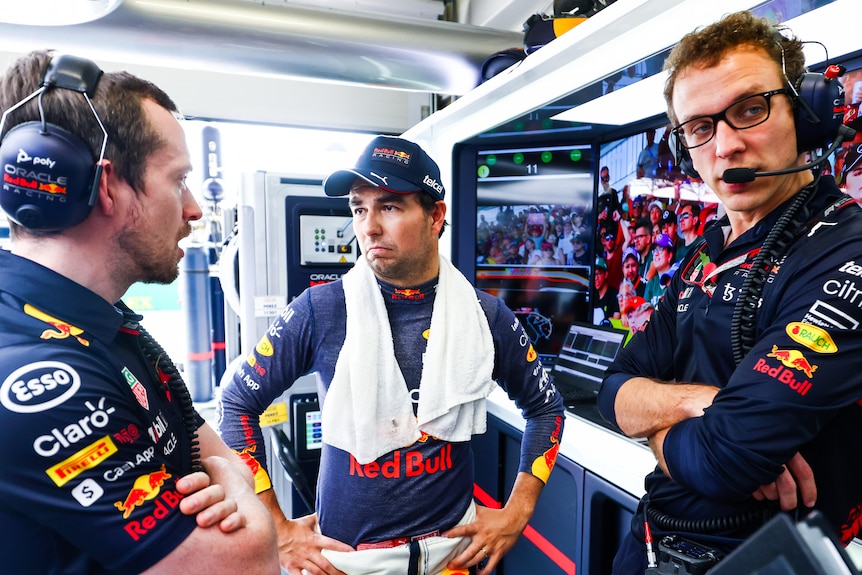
x,y
261,479
543,465
783,375
52,188
33,184
163,506
145,488
408,294
404,463
392,153
853,526
248,458
61,330
794,359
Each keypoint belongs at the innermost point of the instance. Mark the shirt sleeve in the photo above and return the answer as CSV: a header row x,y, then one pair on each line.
x,y
519,372
648,353
791,383
271,368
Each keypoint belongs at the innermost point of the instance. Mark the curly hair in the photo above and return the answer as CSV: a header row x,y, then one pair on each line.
x,y
706,46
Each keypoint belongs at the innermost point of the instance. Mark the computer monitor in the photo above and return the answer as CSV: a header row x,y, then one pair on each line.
x,y
781,547
587,352
529,203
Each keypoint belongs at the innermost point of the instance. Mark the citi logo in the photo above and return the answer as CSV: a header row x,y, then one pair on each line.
x,y
432,183
23,156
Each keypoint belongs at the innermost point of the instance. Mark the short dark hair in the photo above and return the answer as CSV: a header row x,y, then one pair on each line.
x,y
644,222
427,202
695,208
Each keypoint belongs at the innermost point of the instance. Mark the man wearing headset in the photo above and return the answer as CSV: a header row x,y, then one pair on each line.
x,y
744,380
99,463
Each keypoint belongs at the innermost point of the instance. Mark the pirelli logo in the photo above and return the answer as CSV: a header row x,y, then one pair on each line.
x,y
90,456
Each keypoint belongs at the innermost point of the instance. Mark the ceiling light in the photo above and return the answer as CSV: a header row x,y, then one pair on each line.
x,y
616,108
54,12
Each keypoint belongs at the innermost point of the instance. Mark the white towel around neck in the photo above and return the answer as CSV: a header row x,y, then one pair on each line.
x,y
368,411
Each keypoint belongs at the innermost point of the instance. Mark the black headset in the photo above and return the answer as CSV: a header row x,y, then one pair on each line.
x,y
50,176
818,105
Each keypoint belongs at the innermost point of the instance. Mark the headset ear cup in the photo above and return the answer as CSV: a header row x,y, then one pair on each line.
x,y
681,157
820,112
48,177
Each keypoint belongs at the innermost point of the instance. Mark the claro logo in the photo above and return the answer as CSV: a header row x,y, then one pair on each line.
x,y
39,386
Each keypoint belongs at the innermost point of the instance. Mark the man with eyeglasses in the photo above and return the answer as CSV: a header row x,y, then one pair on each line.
x,y
642,242
744,379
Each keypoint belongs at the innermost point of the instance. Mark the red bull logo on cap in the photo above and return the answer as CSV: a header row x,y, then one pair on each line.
x,y
145,488
392,153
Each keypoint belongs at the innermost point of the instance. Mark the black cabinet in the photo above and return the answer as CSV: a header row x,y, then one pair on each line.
x,y
580,518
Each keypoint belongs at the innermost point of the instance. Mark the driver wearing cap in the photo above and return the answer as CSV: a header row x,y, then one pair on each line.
x,y
405,351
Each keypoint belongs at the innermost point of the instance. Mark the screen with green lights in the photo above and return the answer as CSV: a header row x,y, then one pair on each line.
x,y
534,228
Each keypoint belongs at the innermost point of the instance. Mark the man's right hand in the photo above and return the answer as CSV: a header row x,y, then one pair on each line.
x,y
300,542
797,477
299,546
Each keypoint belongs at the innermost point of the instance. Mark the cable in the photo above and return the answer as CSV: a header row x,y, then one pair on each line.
x,y
712,525
154,352
743,323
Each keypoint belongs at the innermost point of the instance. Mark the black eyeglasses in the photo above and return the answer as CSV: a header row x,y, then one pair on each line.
x,y
743,114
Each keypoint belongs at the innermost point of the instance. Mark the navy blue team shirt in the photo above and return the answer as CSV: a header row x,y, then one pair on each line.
x,y
411,491
797,390
92,444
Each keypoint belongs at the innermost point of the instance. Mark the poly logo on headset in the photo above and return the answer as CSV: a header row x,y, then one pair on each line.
x,y
23,156
29,179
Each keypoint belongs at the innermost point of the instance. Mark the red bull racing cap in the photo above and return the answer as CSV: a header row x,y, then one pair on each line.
x,y
393,165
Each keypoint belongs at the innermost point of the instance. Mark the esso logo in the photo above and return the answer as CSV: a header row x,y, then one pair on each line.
x,y
39,386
